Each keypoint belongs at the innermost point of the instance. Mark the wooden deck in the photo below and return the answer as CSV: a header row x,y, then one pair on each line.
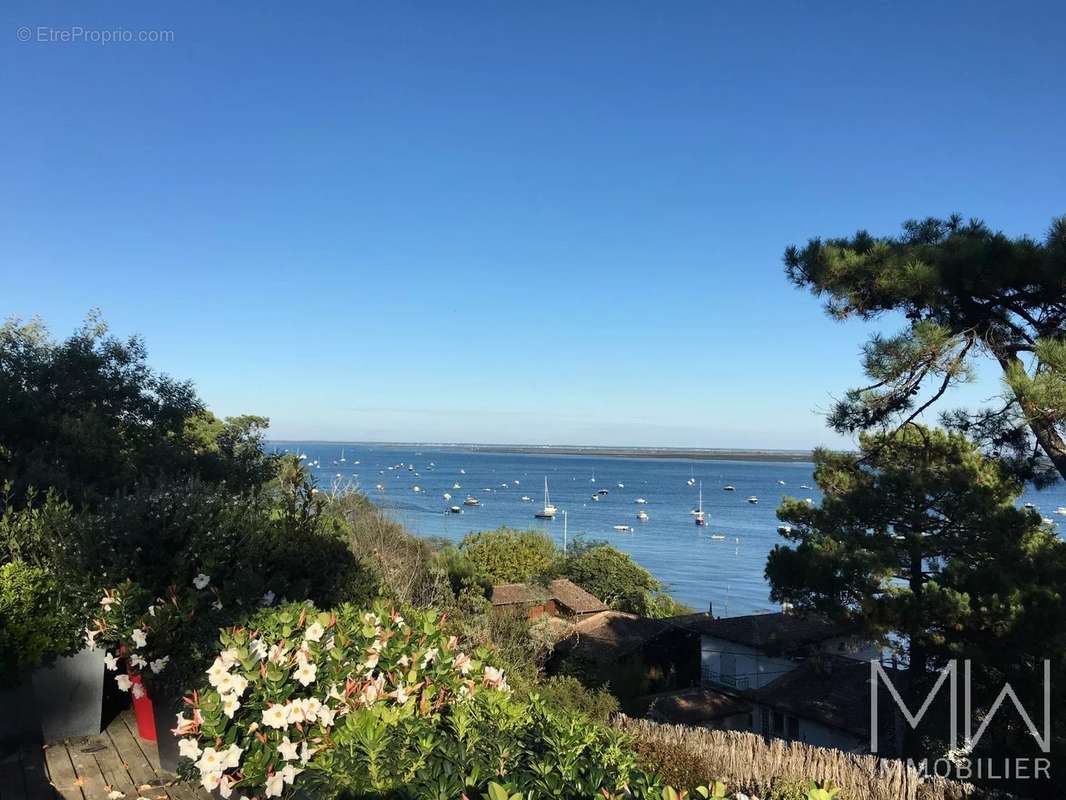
x,y
92,767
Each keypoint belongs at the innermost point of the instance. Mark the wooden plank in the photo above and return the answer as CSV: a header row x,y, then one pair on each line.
x,y
11,783
61,773
35,774
111,767
148,748
148,783
92,780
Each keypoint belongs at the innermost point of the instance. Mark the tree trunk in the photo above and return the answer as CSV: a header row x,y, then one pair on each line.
x,y
917,654
1049,439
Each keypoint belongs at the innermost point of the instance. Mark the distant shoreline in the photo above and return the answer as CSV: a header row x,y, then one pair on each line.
x,y
693,454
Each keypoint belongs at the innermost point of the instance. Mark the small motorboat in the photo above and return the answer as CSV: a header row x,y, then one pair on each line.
x,y
602,492
640,501
527,499
447,496
784,530
621,486
623,528
642,516
595,497
780,483
729,488
455,510
462,472
753,499
471,501
380,487
804,486
1061,511
418,488
456,486
718,536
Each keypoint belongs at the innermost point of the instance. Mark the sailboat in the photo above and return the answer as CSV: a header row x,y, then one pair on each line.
x,y
698,516
343,459
548,512
691,477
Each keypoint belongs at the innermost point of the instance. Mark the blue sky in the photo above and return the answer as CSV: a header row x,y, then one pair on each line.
x,y
550,222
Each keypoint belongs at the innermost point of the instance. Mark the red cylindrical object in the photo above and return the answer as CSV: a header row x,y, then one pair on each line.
x,y
143,711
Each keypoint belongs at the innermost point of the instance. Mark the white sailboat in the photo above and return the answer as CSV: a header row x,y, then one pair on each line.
x,y
548,512
698,516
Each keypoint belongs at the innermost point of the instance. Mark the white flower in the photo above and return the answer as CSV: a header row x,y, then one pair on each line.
x,y
296,711
201,581
371,661
230,704
276,716
90,637
275,783
210,780
429,657
231,757
225,786
210,761
106,601
260,649
311,707
110,662
138,691
306,752
189,748
289,773
305,673
462,663
115,794
159,664
138,636
217,605
229,656
325,716
123,682
494,677
186,725
401,695
138,661
314,632
289,751
268,599
217,672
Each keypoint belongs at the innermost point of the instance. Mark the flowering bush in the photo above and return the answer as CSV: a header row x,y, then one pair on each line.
x,y
366,703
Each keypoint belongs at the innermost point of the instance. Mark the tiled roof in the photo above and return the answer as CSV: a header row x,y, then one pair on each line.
x,y
833,690
695,706
610,635
781,632
563,591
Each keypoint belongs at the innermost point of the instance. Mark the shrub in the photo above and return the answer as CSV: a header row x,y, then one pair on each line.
x,y
612,576
510,556
567,693
36,624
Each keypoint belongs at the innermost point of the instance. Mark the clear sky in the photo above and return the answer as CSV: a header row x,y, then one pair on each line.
x,y
524,222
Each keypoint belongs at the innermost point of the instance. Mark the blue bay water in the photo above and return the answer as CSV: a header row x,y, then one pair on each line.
x,y
697,569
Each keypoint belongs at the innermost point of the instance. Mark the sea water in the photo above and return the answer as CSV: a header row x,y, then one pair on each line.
x,y
698,568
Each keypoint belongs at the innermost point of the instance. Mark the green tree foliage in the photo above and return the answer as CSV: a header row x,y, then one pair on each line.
x,y
37,623
87,416
965,291
506,555
618,580
918,537
567,693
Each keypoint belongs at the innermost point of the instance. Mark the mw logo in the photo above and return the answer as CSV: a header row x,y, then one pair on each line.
x,y
950,674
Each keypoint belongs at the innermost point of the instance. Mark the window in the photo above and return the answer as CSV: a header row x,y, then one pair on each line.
x,y
793,728
778,723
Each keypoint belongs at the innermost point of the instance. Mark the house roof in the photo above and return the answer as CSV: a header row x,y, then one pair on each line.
x,y
830,689
610,635
695,706
781,632
562,591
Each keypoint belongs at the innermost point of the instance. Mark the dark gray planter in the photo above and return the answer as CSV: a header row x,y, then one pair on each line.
x,y
70,696
19,724
165,712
